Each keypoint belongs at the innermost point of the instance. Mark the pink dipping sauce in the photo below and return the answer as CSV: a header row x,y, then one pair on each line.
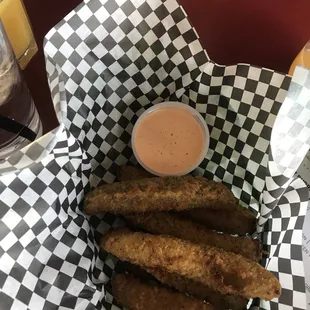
x,y
170,141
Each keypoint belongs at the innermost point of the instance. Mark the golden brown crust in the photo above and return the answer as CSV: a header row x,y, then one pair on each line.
x,y
200,291
157,194
130,173
186,286
134,294
165,223
226,272
235,220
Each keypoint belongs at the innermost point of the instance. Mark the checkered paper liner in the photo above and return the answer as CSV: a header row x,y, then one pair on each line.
x,y
108,61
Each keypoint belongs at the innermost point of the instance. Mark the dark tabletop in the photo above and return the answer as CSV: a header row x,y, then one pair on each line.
x,y
263,32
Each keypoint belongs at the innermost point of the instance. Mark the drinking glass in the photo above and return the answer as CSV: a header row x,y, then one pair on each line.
x,y
19,120
18,29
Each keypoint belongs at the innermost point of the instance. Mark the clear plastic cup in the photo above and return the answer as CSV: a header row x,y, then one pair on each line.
x,y
20,123
198,119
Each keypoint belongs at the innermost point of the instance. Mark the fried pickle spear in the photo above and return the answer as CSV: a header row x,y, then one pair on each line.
x,y
130,173
226,272
165,223
135,294
235,220
187,286
158,194
200,291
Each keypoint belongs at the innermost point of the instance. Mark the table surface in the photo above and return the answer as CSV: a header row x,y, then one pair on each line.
x,y
264,33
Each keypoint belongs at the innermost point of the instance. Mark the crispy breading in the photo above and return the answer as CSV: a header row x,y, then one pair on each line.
x,y
235,220
135,294
158,194
200,291
226,272
130,173
165,223
187,286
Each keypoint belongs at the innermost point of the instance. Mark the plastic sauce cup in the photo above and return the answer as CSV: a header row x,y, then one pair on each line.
x,y
170,138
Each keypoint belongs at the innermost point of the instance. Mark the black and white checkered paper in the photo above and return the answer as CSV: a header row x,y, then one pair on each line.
x,y
108,61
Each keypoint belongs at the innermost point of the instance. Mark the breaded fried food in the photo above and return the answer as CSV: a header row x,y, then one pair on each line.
x,y
158,194
130,173
187,286
226,272
235,220
200,291
135,294
164,223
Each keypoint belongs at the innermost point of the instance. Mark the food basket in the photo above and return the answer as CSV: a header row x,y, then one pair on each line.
x,y
107,62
